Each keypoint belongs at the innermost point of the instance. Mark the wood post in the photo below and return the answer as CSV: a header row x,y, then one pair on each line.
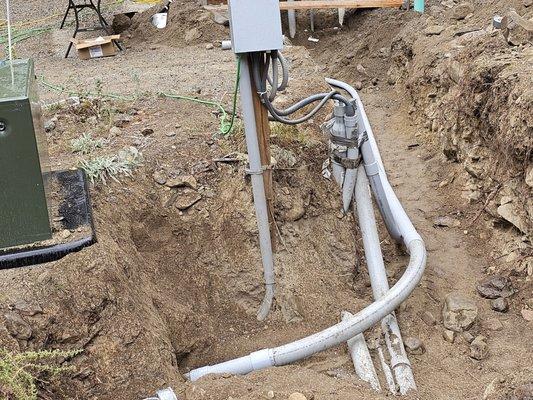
x,y
263,133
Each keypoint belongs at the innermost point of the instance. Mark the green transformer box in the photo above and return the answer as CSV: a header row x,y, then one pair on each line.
x,y
24,165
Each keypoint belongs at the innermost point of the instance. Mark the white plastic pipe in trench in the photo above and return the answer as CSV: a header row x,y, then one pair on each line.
x,y
397,221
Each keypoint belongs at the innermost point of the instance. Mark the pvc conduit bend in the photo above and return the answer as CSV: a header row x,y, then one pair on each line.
x,y
332,336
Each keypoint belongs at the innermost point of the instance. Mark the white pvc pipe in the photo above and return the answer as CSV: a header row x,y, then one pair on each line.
x,y
258,188
378,278
362,361
292,22
342,12
332,336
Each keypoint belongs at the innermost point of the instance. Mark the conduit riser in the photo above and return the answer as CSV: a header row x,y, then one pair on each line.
x,y
362,361
258,187
352,154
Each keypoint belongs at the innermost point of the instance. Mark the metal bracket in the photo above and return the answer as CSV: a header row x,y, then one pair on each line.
x,y
264,168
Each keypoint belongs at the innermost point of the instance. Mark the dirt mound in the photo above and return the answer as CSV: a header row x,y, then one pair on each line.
x,y
188,24
166,287
475,92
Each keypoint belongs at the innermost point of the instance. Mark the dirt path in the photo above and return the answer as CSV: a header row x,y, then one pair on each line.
x,y
456,262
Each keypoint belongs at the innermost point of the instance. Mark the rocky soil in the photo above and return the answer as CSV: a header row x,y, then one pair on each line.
x,y
175,280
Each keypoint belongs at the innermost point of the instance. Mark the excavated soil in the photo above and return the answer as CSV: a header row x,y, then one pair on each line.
x,y
169,288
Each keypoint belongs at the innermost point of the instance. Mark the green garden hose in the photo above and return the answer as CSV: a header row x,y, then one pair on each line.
x,y
225,126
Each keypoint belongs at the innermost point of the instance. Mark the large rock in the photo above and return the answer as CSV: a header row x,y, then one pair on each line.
x,y
462,10
511,213
434,30
516,29
414,346
17,327
182,181
459,312
495,287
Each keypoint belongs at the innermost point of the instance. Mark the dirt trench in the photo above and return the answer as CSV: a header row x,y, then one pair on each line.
x,y
166,290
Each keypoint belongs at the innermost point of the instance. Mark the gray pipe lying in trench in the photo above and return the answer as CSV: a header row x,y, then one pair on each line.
x,y
378,279
366,318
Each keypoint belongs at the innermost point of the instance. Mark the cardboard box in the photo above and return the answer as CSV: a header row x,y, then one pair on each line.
x,y
95,48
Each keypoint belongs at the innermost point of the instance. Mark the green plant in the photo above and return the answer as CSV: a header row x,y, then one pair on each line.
x,y
100,168
85,144
19,372
290,133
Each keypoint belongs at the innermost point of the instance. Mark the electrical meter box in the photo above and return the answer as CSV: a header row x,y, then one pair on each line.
x,y
24,215
255,25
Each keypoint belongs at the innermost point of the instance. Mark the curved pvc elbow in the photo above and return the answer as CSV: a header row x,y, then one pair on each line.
x,y
332,336
363,320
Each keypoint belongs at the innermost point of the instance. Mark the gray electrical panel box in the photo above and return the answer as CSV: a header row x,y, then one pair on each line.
x,y
255,25
24,216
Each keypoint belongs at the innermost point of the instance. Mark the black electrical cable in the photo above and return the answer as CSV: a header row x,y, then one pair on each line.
x,y
260,73
286,121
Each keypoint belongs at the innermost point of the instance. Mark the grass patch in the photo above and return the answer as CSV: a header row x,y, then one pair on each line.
x,y
85,144
290,134
19,372
99,169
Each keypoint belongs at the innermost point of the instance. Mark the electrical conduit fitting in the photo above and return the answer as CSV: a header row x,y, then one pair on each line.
x,y
338,130
352,155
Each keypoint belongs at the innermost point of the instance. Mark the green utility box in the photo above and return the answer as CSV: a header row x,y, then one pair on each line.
x,y
24,166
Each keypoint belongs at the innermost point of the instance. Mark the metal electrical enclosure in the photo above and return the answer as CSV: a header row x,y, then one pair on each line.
x,y
255,25
24,216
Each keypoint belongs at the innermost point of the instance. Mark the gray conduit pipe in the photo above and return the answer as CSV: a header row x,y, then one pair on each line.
x,y
345,330
332,336
350,175
258,188
362,361
292,22
378,278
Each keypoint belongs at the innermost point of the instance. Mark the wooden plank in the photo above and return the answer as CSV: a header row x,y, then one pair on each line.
x,y
263,136
325,4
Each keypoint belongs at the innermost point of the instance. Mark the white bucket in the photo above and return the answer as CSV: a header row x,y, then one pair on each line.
x,y
159,20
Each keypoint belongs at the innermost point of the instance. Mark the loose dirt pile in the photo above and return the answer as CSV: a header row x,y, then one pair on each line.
x,y
474,90
188,24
